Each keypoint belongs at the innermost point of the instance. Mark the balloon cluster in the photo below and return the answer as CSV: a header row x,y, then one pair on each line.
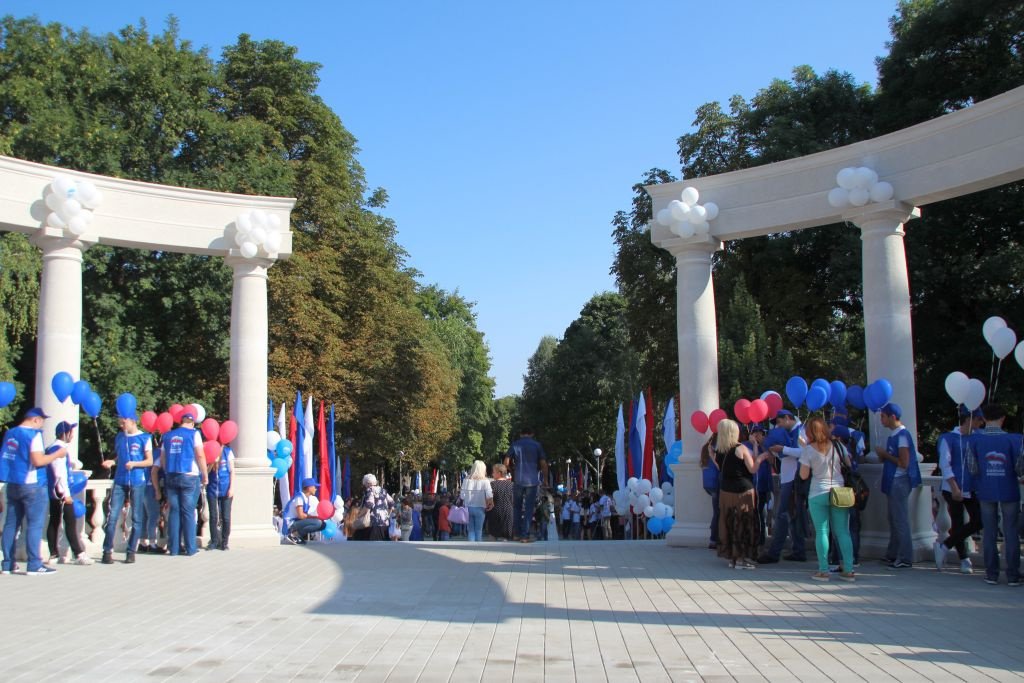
x,y
279,451
81,394
685,217
746,411
255,229
1002,339
7,393
71,203
648,500
857,187
964,390
821,392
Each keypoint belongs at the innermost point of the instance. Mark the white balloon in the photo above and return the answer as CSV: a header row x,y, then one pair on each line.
x,y
87,217
642,501
660,510
93,201
273,243
975,394
86,191
258,234
274,221
62,183
838,197
846,178
1003,341
244,223
865,177
667,488
656,495
712,210
200,412
859,196
645,486
55,221
272,438
240,238
71,207
248,249
77,225
991,325
684,230
698,214
679,210
881,192
53,201
259,218
664,217
631,484
649,511
1018,353
670,511
701,228
957,384
689,196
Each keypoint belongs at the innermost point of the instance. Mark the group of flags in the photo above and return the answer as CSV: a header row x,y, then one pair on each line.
x,y
320,464
634,444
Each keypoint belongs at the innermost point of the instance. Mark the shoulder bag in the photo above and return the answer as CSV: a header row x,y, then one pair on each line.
x,y
839,496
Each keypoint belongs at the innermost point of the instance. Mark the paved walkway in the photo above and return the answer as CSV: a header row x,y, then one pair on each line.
x,y
584,611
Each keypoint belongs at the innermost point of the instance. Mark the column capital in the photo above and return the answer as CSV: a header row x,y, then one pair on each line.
x,y
687,247
50,240
889,215
249,266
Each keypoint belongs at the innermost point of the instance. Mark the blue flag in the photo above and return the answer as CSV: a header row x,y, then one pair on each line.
x,y
300,436
333,466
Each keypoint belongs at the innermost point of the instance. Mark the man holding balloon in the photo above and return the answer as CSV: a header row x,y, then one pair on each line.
x,y
133,451
62,505
790,509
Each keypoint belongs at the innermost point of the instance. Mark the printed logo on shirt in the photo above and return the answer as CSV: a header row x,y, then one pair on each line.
x,y
995,464
176,445
11,449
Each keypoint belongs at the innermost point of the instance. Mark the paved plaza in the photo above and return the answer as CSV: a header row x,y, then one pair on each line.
x,y
584,611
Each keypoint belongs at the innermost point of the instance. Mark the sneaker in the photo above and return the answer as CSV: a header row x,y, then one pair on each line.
x,y
712,546
745,564
5,572
1013,583
833,569
157,550
887,561
224,546
83,560
108,558
821,576
211,546
42,571
54,559
990,581
847,576
966,567
143,548
291,539
767,559
939,550
129,558
900,565
63,560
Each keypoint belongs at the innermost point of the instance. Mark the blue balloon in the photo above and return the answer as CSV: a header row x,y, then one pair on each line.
x,y
674,451
823,383
126,405
7,393
77,481
666,524
280,468
855,397
330,531
654,525
796,390
92,405
776,436
80,392
62,384
79,508
885,390
284,448
873,397
816,398
837,394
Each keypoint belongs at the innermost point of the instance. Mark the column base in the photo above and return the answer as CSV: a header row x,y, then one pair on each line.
x,y
692,508
252,511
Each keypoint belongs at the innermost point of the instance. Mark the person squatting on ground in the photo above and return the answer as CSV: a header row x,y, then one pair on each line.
x,y
21,461
822,461
61,503
301,513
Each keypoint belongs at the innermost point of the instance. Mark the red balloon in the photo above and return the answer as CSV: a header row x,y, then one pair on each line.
x,y
758,410
176,410
211,449
228,432
325,510
716,416
740,410
148,420
210,429
164,423
774,401
699,421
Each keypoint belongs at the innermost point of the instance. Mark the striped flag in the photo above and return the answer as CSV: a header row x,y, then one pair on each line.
x,y
307,440
283,484
332,456
620,450
668,425
324,492
638,445
648,465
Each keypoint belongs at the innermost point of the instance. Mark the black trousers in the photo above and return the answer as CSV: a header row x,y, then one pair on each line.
x,y
960,531
59,510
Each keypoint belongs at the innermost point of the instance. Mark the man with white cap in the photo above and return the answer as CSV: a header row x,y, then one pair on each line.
x,y
184,466
21,459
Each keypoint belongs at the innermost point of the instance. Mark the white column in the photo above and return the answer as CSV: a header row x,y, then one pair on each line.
x,y
697,332
59,340
890,354
252,509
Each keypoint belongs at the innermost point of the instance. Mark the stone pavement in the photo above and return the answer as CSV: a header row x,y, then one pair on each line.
x,y
585,611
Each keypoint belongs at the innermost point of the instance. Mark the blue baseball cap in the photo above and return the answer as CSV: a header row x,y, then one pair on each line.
x,y
976,413
841,431
36,412
757,428
309,481
783,413
893,409
64,428
187,416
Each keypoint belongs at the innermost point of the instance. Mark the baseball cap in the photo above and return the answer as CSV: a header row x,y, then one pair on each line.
x,y
64,427
893,409
783,413
188,416
965,411
841,431
757,428
309,481
36,412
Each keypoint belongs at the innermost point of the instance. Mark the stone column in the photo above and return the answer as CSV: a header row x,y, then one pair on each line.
x,y
59,340
890,354
697,332
252,509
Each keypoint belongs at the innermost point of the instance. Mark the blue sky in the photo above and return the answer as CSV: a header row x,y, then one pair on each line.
x,y
508,134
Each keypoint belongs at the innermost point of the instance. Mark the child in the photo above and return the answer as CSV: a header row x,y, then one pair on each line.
x,y
444,527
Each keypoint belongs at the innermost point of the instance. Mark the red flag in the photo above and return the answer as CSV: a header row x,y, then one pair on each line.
x,y
293,437
649,441
579,478
433,481
326,490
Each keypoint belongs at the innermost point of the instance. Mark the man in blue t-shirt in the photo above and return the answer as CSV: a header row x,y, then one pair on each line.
x,y
529,466
22,460
133,456
996,482
900,476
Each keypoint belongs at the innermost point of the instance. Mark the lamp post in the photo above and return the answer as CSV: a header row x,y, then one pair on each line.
x,y
568,469
600,471
401,454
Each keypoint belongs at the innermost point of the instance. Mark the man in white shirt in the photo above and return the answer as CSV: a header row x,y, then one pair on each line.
x,y
790,507
605,503
301,514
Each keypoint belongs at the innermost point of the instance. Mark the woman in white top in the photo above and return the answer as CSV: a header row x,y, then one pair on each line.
x,y
822,460
478,498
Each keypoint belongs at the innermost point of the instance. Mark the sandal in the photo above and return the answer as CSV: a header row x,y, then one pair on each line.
x,y
820,576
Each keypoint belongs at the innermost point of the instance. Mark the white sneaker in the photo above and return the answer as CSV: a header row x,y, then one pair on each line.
x,y
966,567
940,555
62,559
83,560
53,560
